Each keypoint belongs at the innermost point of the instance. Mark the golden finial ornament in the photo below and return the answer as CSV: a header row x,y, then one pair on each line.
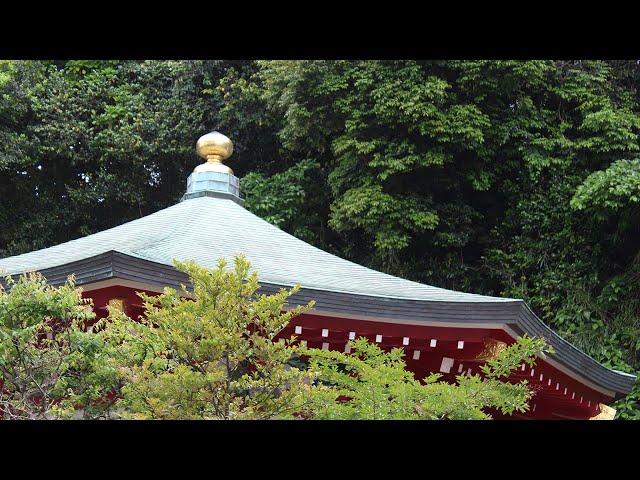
x,y
214,147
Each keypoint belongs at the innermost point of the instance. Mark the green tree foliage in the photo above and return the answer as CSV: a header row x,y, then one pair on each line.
x,y
289,200
41,332
375,385
613,189
208,353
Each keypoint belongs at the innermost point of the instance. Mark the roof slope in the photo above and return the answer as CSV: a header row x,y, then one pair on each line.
x,y
207,228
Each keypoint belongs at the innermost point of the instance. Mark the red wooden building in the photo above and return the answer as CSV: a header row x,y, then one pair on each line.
x,y
441,330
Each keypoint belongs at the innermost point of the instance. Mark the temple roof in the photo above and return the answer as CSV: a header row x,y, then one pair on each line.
x,y
207,228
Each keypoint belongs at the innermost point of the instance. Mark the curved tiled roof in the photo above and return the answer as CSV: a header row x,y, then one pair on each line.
x,y
207,228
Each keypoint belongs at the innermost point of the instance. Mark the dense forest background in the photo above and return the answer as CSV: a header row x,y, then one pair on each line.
x,y
515,178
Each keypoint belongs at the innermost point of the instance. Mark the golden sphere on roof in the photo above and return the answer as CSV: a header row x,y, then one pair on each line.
x,y
214,146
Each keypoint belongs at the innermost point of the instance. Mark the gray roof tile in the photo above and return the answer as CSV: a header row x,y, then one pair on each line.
x,y
207,228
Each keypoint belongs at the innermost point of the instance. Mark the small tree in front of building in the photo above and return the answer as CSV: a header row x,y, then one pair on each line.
x,y
42,331
208,353
373,384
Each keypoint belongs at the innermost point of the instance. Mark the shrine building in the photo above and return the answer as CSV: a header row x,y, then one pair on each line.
x,y
440,330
